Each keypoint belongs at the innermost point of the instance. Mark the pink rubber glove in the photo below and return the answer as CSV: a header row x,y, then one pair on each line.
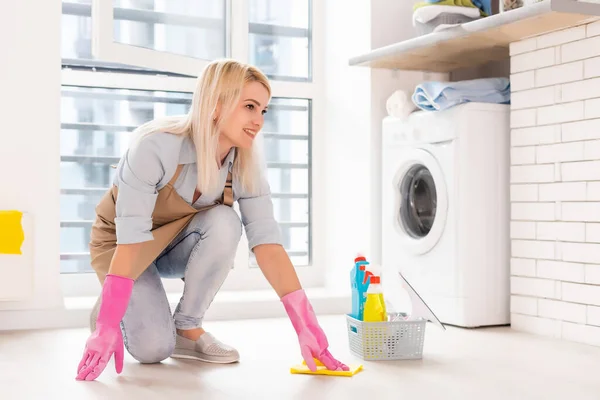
x,y
107,339
313,343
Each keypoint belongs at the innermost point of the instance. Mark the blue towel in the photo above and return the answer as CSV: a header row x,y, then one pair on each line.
x,y
436,96
484,5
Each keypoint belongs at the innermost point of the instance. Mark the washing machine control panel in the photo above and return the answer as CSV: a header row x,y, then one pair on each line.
x,y
417,129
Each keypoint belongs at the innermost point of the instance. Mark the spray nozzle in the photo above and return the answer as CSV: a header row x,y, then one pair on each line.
x,y
367,275
361,262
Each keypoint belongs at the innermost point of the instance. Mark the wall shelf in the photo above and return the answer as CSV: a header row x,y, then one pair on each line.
x,y
478,42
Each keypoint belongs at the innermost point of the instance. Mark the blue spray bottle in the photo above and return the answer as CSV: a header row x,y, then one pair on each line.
x,y
359,287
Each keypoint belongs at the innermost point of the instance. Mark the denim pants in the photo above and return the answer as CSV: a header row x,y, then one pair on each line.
x,y
202,254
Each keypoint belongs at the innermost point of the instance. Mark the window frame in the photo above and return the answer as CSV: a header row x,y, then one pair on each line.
x,y
105,48
242,276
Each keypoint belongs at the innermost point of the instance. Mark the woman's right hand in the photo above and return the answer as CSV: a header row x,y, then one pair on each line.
x,y
107,339
99,348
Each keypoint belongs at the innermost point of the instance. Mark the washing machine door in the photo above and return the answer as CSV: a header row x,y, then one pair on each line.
x,y
421,201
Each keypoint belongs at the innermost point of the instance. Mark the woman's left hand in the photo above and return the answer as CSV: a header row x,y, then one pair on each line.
x,y
313,342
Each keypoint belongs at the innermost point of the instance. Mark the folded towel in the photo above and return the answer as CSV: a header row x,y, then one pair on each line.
x,y
454,3
426,14
484,5
441,27
399,104
461,3
436,96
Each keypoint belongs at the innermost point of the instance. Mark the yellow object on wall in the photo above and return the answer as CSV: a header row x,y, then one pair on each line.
x,y
11,232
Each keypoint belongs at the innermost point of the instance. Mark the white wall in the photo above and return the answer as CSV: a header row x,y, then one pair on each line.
x,y
347,134
356,98
29,139
555,185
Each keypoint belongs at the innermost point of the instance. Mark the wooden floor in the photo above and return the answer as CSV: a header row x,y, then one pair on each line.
x,y
493,363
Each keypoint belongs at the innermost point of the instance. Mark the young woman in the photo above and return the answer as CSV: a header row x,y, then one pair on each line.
x,y
169,214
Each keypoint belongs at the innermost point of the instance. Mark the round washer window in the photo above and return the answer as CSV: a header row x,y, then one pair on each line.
x,y
418,201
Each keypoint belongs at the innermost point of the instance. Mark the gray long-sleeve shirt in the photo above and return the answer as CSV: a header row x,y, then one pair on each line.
x,y
150,164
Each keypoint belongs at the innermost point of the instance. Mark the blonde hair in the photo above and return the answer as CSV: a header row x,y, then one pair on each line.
x,y
221,82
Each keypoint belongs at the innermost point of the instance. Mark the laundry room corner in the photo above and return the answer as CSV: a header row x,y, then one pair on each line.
x,y
538,61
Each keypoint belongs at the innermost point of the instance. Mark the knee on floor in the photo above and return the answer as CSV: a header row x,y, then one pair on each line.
x,y
152,352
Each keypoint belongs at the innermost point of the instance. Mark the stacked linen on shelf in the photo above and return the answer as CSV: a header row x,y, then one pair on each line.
x,y
437,96
434,15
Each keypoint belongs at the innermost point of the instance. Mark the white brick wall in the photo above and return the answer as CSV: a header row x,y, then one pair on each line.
x,y
555,184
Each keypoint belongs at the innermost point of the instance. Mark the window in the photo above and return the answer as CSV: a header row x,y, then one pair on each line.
x,y
94,135
128,61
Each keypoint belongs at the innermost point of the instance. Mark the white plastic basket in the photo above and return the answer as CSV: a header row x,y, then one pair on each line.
x,y
389,340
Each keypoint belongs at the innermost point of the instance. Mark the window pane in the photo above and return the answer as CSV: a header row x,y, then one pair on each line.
x,y
296,238
287,150
86,174
96,126
74,266
120,107
299,261
194,28
79,206
282,150
288,180
296,241
75,239
291,210
76,39
94,142
280,38
288,116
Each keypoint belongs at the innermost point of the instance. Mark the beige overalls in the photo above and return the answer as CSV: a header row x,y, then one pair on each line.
x,y
170,216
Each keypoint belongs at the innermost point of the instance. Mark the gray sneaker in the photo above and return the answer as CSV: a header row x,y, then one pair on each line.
x,y
206,348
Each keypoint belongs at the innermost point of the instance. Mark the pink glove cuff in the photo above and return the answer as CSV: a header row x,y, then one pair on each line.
x,y
116,293
299,310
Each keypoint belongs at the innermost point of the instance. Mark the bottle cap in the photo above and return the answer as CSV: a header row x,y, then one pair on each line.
x,y
360,258
375,279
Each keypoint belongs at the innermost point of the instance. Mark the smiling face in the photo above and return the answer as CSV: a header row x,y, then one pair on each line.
x,y
247,118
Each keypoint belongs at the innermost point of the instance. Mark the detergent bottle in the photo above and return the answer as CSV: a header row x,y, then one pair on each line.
x,y
359,286
374,310
372,269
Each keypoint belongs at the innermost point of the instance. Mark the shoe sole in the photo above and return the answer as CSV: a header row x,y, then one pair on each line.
x,y
193,355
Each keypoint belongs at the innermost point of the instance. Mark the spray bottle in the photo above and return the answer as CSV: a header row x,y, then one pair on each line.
x,y
359,286
374,309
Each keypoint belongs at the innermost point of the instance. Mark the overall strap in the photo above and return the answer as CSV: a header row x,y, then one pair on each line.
x,y
228,191
177,172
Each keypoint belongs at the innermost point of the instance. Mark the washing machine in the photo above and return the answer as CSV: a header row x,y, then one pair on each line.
x,y
445,210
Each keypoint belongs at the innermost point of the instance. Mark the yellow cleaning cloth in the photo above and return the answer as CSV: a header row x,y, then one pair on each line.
x,y
11,232
322,370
